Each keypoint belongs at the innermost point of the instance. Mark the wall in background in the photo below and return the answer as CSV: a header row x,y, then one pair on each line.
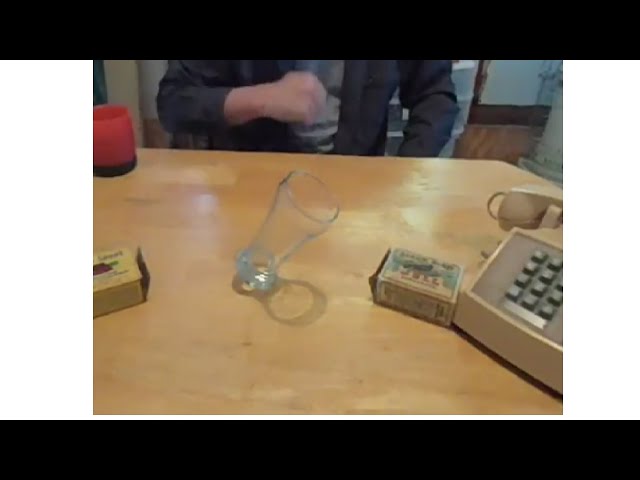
x,y
151,72
122,88
512,102
519,82
134,83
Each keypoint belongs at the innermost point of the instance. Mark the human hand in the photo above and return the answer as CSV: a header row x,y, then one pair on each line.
x,y
298,97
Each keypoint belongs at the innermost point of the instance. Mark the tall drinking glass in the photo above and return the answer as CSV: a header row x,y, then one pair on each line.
x,y
302,209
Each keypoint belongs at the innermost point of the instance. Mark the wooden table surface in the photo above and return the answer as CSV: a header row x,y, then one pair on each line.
x,y
318,346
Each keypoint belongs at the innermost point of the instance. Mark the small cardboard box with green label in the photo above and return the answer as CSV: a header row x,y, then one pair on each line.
x,y
421,286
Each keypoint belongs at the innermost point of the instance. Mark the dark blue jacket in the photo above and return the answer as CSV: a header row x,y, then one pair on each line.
x,y
191,98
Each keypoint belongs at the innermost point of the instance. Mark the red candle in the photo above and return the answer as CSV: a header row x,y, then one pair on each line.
x,y
114,148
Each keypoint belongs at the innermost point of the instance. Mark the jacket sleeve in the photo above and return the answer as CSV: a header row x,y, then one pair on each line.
x,y
191,96
427,90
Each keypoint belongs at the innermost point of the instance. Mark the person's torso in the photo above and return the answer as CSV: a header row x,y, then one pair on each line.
x,y
354,121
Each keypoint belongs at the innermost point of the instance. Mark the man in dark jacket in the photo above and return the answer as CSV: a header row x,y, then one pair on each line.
x,y
310,106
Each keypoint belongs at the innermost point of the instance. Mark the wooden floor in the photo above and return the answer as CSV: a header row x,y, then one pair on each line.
x,y
499,142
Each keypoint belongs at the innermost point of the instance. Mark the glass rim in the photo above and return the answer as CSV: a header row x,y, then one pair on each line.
x,y
331,197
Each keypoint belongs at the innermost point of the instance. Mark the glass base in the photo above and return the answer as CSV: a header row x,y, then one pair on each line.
x,y
256,269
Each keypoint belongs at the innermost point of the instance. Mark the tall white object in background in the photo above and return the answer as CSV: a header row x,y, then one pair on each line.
x,y
546,156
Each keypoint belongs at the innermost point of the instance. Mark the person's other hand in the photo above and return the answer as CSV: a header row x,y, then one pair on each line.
x,y
298,97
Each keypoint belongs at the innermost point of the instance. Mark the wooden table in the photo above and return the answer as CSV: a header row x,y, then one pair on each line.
x,y
319,346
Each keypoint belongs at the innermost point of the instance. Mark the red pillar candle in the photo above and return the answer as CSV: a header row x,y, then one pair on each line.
x,y
114,146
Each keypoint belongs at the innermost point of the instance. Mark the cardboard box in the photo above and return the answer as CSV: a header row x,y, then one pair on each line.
x,y
420,286
120,280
